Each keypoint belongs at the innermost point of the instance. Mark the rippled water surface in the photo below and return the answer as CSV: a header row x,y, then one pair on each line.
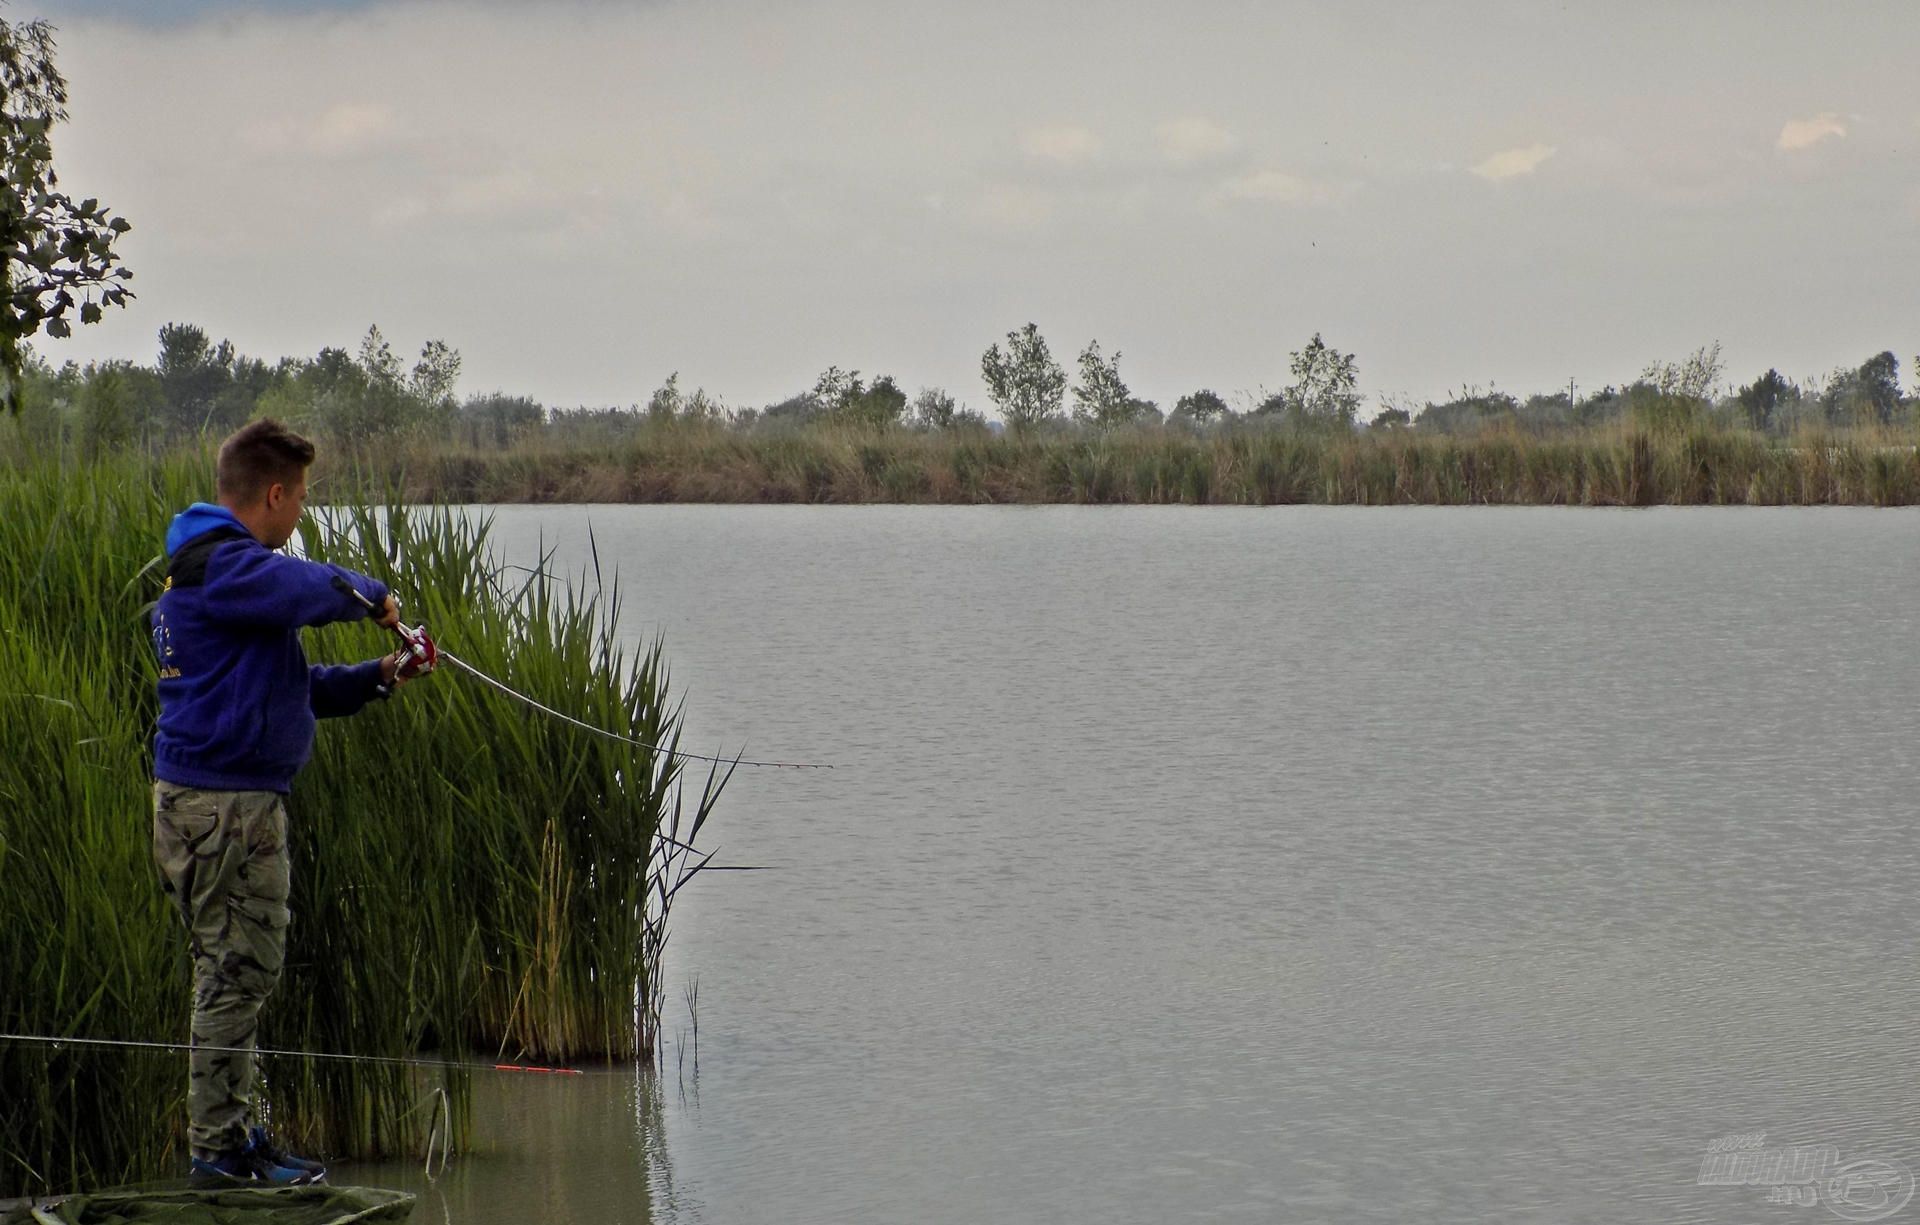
x,y
1234,864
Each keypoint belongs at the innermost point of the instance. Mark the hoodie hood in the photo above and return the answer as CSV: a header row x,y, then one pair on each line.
x,y
198,520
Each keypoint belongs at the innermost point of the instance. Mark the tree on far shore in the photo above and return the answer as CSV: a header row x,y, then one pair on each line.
x,y
1866,395
1201,407
1101,398
1760,402
1024,381
934,408
1323,392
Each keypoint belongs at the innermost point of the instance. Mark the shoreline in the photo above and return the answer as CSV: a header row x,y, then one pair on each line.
x,y
678,463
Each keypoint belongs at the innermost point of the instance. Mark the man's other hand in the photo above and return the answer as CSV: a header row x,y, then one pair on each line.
x,y
390,672
389,615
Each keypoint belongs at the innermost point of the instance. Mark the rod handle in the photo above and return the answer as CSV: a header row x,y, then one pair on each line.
x,y
345,588
342,585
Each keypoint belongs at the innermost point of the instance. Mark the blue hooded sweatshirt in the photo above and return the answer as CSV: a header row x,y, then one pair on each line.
x,y
237,699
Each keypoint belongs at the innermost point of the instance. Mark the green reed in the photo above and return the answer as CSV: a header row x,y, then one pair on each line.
x,y
1615,465
471,879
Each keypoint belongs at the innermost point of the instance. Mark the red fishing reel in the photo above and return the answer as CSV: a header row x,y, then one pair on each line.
x,y
417,655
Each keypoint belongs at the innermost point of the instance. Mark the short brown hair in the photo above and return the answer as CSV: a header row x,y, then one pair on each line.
x,y
256,456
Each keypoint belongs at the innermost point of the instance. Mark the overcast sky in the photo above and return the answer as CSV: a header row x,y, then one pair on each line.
x,y
584,197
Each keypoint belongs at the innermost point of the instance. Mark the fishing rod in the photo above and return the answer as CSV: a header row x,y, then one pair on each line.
x,y
396,1060
421,654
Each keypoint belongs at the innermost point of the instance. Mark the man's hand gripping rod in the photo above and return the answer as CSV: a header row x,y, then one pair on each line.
x,y
417,654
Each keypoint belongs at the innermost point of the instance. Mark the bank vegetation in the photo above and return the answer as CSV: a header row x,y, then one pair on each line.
x,y
470,882
1675,435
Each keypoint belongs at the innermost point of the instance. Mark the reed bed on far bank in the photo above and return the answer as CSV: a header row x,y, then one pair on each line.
x,y
468,878
703,461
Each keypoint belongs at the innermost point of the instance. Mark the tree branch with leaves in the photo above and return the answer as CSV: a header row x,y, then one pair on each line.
x,y
59,256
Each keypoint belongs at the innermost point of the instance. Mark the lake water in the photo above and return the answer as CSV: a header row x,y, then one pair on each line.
x,y
1215,864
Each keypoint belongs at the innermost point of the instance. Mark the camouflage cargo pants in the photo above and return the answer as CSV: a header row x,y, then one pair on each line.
x,y
223,863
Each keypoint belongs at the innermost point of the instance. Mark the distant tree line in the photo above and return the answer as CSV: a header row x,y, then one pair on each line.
x,y
198,387
1029,388
1671,394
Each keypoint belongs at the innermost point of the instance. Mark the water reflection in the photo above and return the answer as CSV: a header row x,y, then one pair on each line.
x,y
549,1148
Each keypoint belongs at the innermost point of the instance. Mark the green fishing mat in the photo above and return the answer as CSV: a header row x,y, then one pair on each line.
x,y
317,1205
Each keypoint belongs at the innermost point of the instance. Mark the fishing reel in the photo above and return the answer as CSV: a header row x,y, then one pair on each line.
x,y
417,655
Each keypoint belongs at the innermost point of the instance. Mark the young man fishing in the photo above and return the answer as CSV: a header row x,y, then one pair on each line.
x,y
237,708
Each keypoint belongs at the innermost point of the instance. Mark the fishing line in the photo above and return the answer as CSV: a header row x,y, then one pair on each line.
x,y
409,637
461,1064
468,668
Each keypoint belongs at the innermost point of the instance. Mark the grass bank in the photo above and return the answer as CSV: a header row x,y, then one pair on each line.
x,y
467,878
700,461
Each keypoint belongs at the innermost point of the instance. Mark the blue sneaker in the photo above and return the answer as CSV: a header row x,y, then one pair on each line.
x,y
245,1166
266,1150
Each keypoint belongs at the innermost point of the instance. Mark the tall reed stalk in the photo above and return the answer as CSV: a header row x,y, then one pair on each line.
x,y
469,877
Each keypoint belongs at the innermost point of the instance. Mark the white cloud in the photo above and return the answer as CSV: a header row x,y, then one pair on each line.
x,y
1277,186
501,192
1007,206
1060,143
1805,133
1511,163
1193,139
350,128
343,130
389,164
